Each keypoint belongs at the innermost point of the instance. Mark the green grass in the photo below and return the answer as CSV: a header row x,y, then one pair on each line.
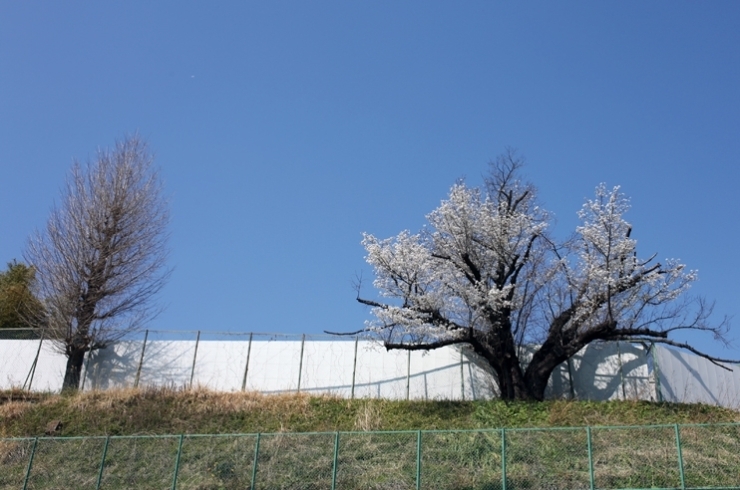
x,y
167,411
461,446
555,459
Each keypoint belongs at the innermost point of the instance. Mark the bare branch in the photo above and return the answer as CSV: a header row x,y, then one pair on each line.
x,y
356,332
372,303
425,346
102,257
718,361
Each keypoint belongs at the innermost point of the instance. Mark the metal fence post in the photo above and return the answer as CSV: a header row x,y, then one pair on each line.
x,y
30,463
87,368
102,463
462,375
177,462
334,464
300,362
408,374
590,459
141,360
254,465
570,379
195,356
656,373
418,460
621,371
503,459
680,458
246,368
354,370
29,378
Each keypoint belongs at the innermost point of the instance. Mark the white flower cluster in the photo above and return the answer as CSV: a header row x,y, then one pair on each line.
x,y
609,279
456,272
483,257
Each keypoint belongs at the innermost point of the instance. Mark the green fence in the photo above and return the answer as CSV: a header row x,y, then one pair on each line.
x,y
667,457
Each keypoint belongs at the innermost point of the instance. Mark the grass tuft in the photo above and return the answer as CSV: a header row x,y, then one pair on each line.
x,y
171,411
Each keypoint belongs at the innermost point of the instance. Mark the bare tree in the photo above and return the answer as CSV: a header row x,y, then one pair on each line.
x,y
486,273
101,258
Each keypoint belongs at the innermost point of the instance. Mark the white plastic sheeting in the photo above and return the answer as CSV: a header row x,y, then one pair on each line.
x,y
31,363
364,369
688,378
611,371
17,357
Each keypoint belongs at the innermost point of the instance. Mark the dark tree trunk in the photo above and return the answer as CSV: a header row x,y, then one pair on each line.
x,y
500,351
557,349
560,346
72,374
538,373
516,384
512,383
80,342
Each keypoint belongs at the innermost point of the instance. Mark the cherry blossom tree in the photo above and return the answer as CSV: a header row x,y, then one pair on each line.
x,y
486,273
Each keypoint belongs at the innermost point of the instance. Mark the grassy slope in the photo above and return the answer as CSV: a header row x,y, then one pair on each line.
x,y
134,412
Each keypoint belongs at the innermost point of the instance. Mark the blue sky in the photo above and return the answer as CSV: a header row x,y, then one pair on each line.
x,y
283,130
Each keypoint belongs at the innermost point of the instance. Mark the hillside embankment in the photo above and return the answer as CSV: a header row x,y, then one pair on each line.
x,y
170,411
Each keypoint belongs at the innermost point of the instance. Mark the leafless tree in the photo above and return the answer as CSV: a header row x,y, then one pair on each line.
x,y
102,257
487,274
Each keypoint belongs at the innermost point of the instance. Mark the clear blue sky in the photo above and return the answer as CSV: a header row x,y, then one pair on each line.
x,y
283,130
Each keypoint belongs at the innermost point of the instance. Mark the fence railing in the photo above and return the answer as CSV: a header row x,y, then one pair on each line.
x,y
635,457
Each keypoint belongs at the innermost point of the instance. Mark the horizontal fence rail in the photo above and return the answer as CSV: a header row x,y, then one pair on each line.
x,y
590,458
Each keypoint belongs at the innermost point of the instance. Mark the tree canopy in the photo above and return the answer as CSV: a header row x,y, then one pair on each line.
x,y
486,272
19,306
101,258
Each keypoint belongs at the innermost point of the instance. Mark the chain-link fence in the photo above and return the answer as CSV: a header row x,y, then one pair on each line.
x,y
665,457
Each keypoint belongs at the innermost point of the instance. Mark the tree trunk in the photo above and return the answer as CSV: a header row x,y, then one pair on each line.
x,y
72,374
537,377
511,381
557,349
501,354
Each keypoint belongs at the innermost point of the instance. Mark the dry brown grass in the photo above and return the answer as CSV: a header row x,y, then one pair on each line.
x,y
369,416
199,411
